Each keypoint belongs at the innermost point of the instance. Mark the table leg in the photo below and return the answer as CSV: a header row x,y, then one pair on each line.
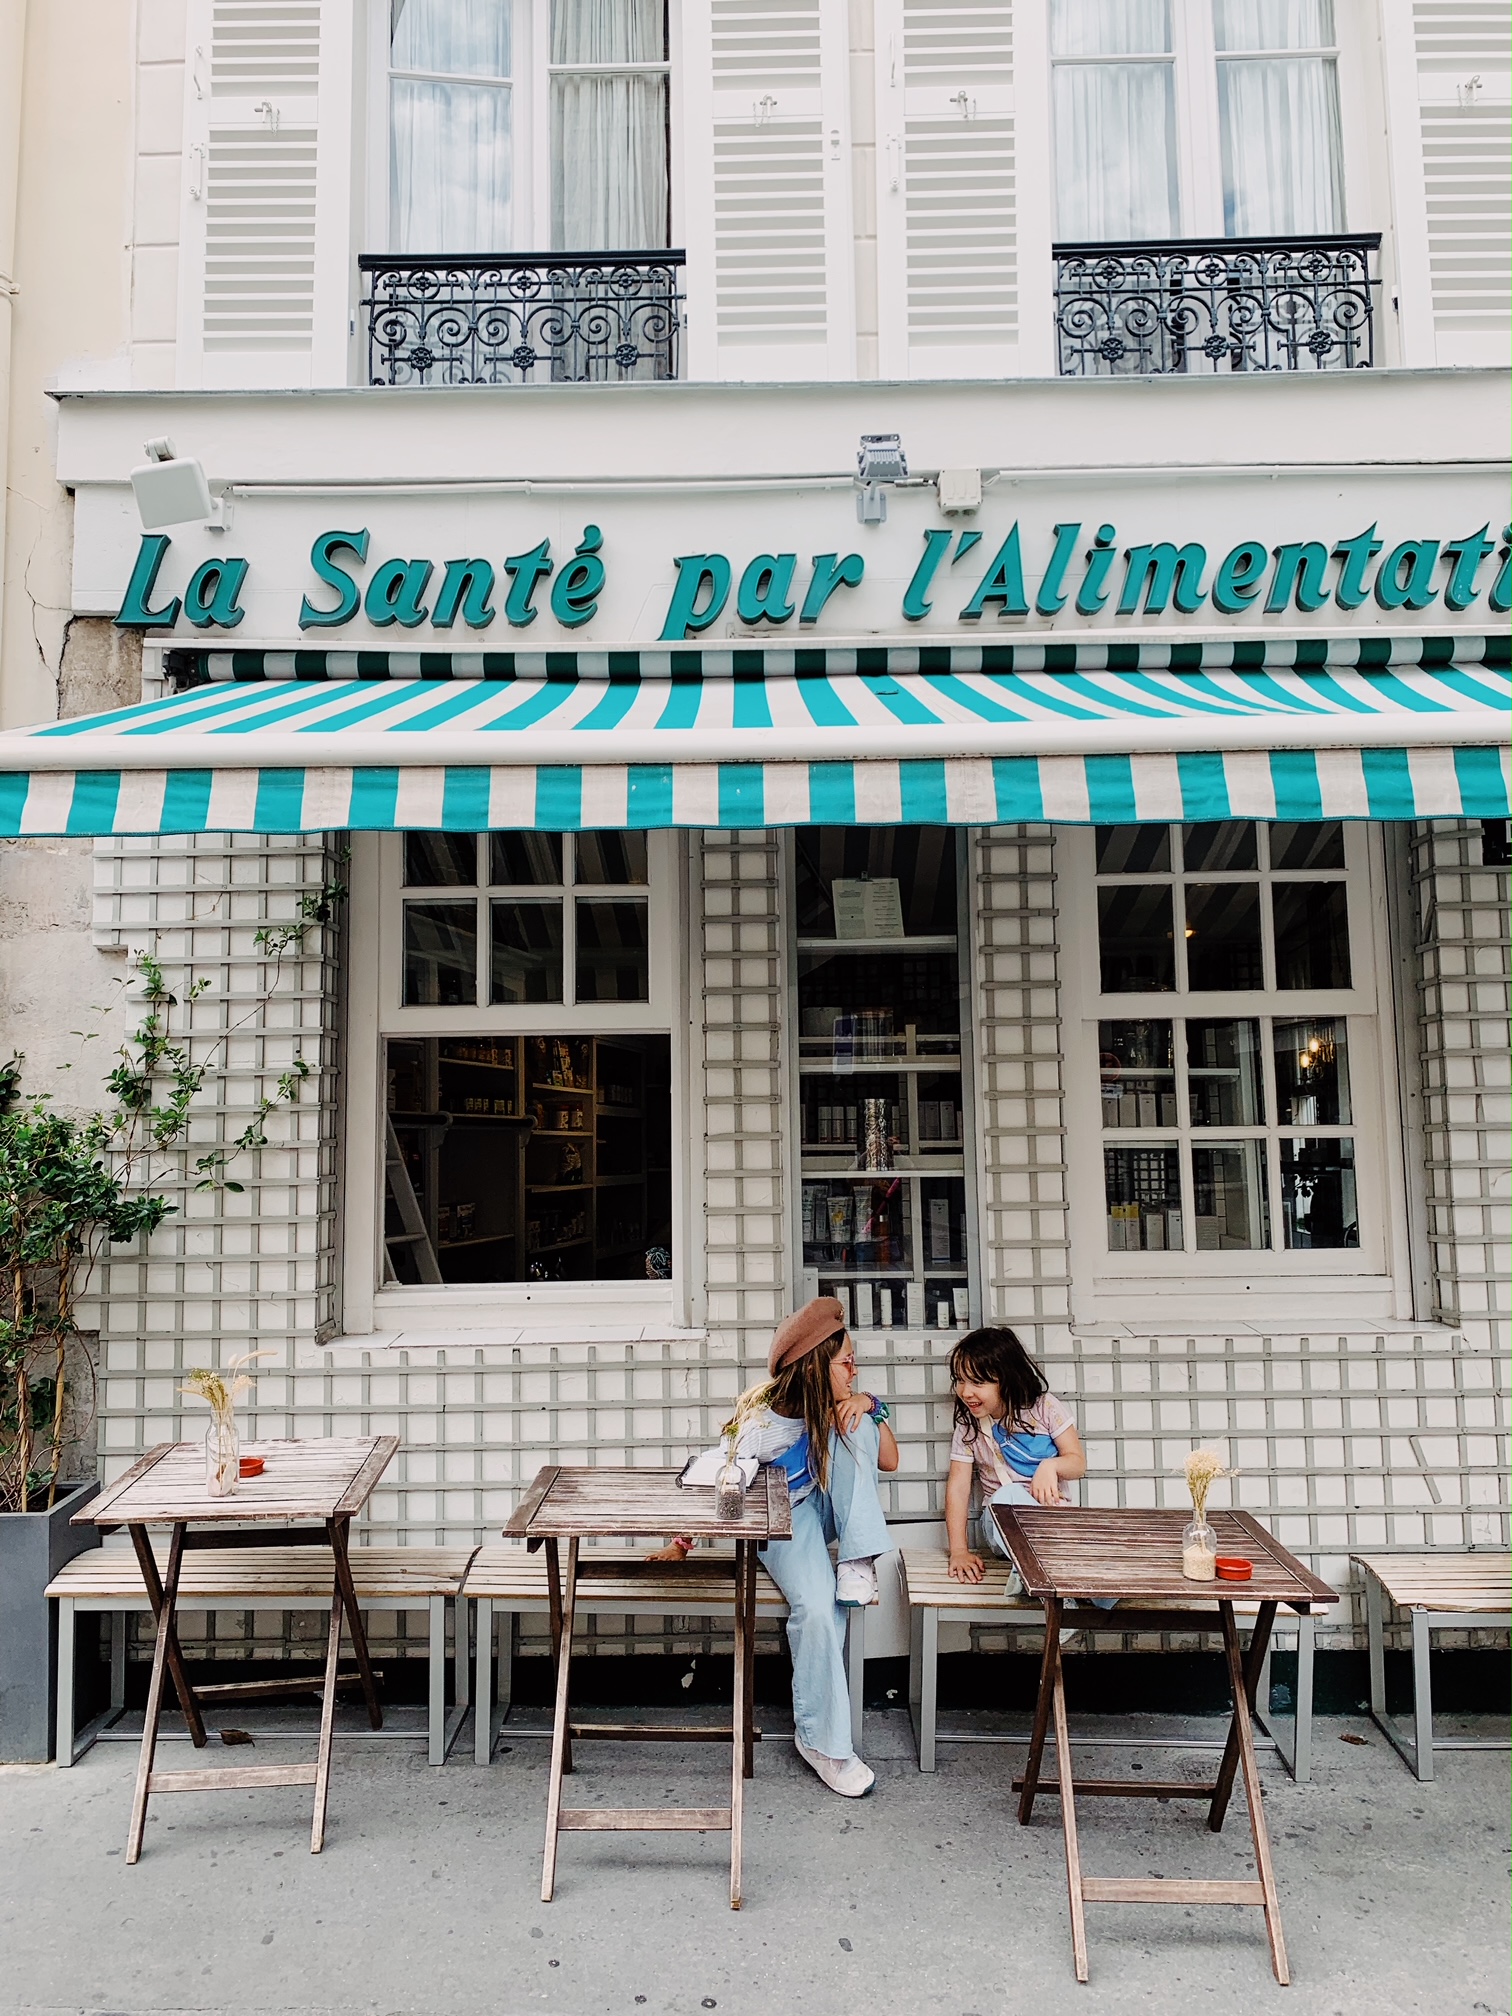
x,y
347,1590
1068,1814
750,1668
563,1606
327,1719
1223,1784
164,1596
147,1562
739,1733
1241,1683
1048,1670
554,1604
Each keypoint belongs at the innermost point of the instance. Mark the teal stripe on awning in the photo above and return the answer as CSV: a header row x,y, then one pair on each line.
x,y
1204,786
95,794
1016,780
464,804
1110,791
280,801
1482,782
742,798
559,800
375,801
186,801
1388,783
1294,776
832,794
921,793
648,796
15,788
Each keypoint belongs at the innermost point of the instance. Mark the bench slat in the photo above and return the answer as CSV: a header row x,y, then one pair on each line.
x,y
302,1574
1443,1581
510,1574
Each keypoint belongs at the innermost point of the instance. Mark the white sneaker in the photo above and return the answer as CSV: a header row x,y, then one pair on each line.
x,y
846,1775
856,1584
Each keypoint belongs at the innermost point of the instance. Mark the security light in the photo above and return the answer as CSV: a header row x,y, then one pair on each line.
x,y
880,459
171,489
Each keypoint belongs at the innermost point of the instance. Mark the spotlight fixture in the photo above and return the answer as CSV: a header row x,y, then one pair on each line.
x,y
879,459
171,490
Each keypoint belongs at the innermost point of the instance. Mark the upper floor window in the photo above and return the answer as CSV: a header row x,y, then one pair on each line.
x,y
528,125
1195,118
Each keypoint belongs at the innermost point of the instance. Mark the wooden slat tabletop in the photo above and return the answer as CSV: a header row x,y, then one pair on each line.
x,y
1136,1554
1443,1581
403,1574
323,1477
614,1503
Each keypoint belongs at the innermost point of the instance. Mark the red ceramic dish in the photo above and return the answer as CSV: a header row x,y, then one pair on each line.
x,y
1233,1568
251,1466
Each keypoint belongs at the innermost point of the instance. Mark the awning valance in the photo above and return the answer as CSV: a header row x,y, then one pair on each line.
x,y
960,735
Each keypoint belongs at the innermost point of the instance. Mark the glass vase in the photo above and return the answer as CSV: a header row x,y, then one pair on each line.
x,y
222,1456
1199,1552
729,1489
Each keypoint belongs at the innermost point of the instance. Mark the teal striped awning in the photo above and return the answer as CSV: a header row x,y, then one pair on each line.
x,y
297,742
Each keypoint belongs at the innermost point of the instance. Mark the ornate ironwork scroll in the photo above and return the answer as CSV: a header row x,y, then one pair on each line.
x,y
522,318
1216,304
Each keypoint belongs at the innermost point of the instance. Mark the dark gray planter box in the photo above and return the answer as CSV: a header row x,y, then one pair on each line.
x,y
33,1547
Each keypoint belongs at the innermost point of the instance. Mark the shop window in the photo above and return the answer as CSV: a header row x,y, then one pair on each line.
x,y
1227,1117
1195,118
522,1147
471,83
883,1102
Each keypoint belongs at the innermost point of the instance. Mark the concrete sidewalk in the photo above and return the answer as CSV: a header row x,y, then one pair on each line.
x,y
924,1900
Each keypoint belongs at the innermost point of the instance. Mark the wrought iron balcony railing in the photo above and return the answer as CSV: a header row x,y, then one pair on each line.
x,y
522,318
1216,304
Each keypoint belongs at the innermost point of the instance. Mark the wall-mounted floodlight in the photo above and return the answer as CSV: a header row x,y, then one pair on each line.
x,y
879,459
171,490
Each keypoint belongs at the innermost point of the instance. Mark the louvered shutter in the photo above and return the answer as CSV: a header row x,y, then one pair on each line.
x,y
766,180
949,225
254,165
1464,56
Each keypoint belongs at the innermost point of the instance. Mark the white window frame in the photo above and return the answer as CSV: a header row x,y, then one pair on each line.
x,y
456,1312
1268,1285
1194,57
530,86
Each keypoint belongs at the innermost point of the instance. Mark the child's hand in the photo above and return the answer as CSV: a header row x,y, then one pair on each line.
x,y
852,1411
673,1551
1045,1486
965,1567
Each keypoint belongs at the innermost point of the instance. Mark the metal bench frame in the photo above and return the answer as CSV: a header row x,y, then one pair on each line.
x,y
439,1733
1416,1751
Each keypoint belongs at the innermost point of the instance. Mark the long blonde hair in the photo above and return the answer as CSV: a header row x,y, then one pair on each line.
x,y
802,1392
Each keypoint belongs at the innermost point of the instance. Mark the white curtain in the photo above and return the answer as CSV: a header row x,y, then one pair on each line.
x,y
450,147
608,133
1279,117
1115,123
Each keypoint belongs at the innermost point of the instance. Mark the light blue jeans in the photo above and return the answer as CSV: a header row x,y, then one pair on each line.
x,y
1020,1494
849,1512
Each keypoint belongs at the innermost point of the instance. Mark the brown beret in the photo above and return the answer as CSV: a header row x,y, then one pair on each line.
x,y
804,1331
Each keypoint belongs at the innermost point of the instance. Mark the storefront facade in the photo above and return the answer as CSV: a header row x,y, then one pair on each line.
x,y
1057,881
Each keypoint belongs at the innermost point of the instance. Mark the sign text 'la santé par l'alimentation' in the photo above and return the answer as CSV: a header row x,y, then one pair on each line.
x,y
773,589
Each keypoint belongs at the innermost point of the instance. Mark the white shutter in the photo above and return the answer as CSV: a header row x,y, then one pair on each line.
x,y
1464,55
255,190
948,198
766,175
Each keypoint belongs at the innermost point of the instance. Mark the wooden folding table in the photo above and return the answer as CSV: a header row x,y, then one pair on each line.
x,y
316,1484
603,1504
1063,1553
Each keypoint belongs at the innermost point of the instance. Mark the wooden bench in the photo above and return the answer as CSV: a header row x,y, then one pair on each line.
x,y
509,1581
1442,1592
107,1580
931,1595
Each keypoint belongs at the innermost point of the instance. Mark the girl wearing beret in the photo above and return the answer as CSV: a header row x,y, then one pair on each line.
x,y
831,1442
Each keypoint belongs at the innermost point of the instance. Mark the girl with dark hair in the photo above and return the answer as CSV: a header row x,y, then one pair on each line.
x,y
831,1441
1011,1434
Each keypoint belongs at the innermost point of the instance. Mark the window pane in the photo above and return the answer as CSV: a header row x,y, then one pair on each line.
x,y
439,860
440,955
1218,843
1138,1074
1307,843
1144,1199
1224,1084
459,38
1230,1207
1273,24
526,954
1312,934
1318,1203
1223,935
525,860
613,955
920,859
568,1180
1133,850
1136,939
1115,150
612,857
1093,28
1312,1074
450,167
609,164
1282,148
